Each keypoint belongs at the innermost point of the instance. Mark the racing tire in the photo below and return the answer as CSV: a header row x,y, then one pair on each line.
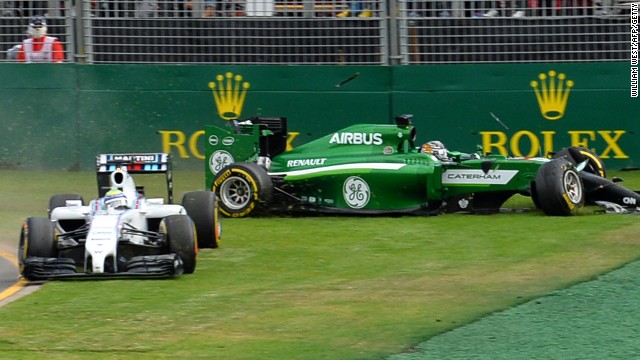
x,y
559,189
37,239
60,200
202,207
243,189
180,235
577,155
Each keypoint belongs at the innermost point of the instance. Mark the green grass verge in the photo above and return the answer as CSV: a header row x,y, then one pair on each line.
x,y
307,288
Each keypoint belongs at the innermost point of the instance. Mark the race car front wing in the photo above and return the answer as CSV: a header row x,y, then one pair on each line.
x,y
41,268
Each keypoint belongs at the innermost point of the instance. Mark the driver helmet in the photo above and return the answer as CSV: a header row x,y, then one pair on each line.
x,y
37,27
115,198
437,149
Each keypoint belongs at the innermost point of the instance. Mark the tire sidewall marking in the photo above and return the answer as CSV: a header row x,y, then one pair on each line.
x,y
252,183
595,160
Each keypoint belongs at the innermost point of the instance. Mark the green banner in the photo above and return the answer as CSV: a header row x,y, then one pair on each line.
x,y
59,116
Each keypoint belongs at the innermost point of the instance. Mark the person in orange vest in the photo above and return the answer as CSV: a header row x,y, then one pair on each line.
x,y
40,47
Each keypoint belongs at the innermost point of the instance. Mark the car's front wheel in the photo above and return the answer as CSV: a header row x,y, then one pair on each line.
x,y
37,238
559,189
577,155
180,235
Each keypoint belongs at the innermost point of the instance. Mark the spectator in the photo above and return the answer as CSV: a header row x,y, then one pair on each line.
x,y
501,9
357,8
418,9
210,8
40,47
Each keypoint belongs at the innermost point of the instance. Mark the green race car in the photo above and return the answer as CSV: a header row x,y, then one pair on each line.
x,y
378,169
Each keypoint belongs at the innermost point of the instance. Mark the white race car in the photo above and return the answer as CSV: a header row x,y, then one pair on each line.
x,y
121,233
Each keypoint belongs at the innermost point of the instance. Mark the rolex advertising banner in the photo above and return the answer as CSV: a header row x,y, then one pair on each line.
x,y
525,110
61,116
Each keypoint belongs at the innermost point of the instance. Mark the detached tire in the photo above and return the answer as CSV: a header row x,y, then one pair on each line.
x,y
559,189
577,155
202,208
180,235
243,189
37,238
60,200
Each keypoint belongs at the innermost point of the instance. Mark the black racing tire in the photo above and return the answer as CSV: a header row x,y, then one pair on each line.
x,y
201,206
243,189
180,236
60,200
559,188
534,195
577,155
37,238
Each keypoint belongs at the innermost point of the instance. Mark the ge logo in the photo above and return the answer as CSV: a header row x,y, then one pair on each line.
x,y
218,160
356,192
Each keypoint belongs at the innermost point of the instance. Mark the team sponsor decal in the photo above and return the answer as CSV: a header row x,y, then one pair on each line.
x,y
134,158
218,160
356,192
213,140
478,177
306,162
388,150
228,141
463,203
349,138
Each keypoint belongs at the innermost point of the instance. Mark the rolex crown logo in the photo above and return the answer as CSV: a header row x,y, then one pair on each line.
x,y
552,93
229,93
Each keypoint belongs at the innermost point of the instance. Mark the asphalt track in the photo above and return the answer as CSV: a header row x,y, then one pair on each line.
x,y
11,286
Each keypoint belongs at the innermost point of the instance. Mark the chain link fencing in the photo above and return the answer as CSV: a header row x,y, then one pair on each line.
x,y
326,32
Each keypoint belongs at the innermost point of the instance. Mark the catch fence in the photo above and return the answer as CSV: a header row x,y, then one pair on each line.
x,y
327,32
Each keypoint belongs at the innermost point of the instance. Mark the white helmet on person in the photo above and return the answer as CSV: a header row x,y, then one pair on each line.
x,y
37,27
115,199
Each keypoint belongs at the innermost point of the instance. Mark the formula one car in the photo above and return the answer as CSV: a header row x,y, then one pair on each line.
x,y
378,169
122,232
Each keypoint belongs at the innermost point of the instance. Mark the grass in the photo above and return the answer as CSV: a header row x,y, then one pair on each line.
x,y
307,288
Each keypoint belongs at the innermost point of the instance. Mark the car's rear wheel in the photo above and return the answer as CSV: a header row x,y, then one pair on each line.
x,y
60,200
577,155
201,206
180,236
243,189
559,189
37,238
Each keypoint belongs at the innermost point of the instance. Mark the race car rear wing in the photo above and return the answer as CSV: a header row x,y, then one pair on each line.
x,y
136,163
